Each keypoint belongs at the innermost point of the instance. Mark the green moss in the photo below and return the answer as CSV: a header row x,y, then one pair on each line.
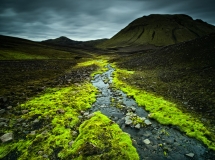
x,y
164,111
100,138
59,109
101,62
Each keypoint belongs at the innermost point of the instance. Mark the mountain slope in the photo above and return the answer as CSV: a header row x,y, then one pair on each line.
x,y
183,73
159,30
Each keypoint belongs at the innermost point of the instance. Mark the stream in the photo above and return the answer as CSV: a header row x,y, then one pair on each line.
x,y
152,140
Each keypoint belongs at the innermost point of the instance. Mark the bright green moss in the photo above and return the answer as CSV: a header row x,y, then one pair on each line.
x,y
100,138
164,111
59,109
101,62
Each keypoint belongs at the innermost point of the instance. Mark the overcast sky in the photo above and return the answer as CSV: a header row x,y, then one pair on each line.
x,y
88,19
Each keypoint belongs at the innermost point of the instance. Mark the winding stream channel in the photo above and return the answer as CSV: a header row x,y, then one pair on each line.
x,y
152,140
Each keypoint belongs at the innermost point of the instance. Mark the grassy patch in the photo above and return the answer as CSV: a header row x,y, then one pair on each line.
x,y
58,110
100,138
164,111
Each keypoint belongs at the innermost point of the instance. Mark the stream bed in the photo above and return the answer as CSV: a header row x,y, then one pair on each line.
x,y
152,140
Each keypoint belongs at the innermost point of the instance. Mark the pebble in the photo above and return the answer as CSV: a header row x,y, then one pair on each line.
x,y
147,122
90,115
9,107
36,121
7,137
2,111
128,122
137,126
146,141
24,111
3,120
86,113
33,133
71,143
40,152
2,124
60,111
190,155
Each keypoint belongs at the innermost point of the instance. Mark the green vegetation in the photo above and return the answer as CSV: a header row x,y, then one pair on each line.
x,y
58,110
101,62
164,111
52,124
100,138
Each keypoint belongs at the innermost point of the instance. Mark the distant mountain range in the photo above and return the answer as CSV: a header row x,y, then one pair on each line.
x,y
66,42
159,30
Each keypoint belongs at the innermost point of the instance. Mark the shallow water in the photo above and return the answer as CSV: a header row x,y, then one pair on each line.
x,y
166,142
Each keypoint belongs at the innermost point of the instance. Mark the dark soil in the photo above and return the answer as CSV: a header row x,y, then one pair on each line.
x,y
183,73
20,80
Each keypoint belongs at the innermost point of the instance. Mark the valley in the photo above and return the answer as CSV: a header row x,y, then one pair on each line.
x,y
118,98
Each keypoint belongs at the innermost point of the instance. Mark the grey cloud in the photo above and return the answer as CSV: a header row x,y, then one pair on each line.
x,y
88,19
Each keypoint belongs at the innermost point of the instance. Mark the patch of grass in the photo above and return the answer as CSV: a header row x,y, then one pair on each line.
x,y
59,109
100,138
164,111
101,62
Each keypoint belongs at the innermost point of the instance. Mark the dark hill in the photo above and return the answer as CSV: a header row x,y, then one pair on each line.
x,y
62,41
159,30
13,48
66,42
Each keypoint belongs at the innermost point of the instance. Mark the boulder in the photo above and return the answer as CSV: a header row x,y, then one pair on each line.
x,y
6,137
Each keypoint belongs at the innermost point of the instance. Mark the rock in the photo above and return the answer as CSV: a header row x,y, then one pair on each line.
x,y
142,118
45,156
36,121
147,122
90,115
86,114
33,133
190,155
74,133
2,111
133,109
146,141
128,114
128,122
185,103
3,120
40,152
137,126
19,120
24,111
71,143
9,107
82,112
60,111
7,137
127,118
3,124
80,117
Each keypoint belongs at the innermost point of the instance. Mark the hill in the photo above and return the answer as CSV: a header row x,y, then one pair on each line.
x,y
13,48
159,30
66,42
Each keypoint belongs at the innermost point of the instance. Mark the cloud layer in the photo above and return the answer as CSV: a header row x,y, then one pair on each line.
x,y
88,19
